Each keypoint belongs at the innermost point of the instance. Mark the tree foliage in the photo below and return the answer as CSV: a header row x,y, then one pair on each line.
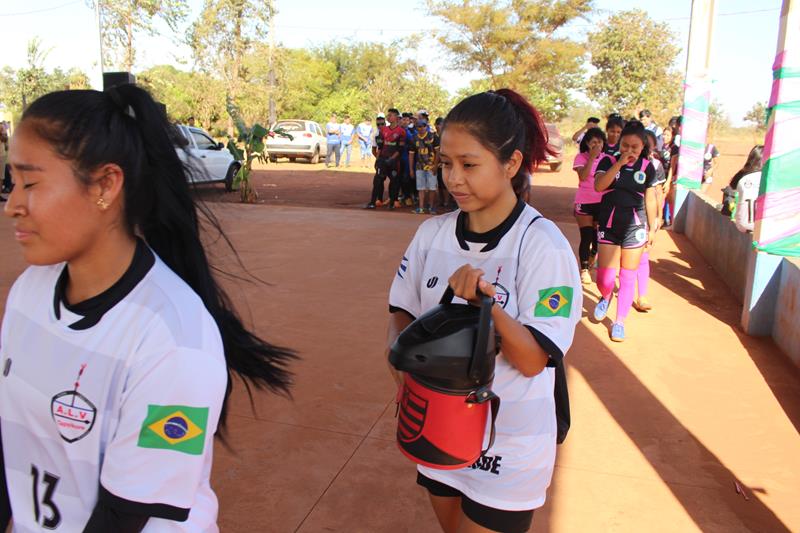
x,y
123,21
514,44
225,33
20,87
356,79
187,94
634,58
758,116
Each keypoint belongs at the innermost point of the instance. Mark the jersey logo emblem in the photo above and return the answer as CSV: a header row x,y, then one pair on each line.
x,y
640,235
555,301
72,412
432,282
639,177
403,267
413,409
174,427
500,292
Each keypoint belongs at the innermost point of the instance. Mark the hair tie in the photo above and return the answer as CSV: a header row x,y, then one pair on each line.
x,y
116,99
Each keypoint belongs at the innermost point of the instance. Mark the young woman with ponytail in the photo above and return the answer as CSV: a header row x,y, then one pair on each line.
x,y
587,200
118,344
628,221
496,243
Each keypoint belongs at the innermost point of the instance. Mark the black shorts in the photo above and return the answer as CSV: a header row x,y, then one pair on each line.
x,y
488,517
592,210
623,226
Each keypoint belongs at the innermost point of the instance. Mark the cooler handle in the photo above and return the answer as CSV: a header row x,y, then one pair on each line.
x,y
479,356
485,395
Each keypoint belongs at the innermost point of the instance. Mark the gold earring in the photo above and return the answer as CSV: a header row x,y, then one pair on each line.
x,y
102,204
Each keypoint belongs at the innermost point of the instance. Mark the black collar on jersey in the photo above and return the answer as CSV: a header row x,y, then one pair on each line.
x,y
93,309
491,237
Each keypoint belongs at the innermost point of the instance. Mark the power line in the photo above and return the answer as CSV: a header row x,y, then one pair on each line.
x,y
43,10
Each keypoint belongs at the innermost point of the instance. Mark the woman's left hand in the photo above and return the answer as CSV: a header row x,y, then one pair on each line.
x,y
467,280
651,237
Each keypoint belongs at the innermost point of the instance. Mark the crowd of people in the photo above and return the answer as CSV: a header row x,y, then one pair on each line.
x,y
405,148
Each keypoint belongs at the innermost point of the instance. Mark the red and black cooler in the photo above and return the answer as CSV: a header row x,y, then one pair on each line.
x,y
448,356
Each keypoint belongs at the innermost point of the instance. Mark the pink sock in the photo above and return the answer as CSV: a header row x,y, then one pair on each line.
x,y
606,279
643,274
627,285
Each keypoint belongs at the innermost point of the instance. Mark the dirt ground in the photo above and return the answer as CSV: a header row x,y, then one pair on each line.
x,y
303,184
689,425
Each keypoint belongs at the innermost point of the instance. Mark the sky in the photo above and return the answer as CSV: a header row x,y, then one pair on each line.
x,y
745,37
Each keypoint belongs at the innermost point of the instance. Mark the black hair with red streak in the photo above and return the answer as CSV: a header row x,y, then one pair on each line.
x,y
504,121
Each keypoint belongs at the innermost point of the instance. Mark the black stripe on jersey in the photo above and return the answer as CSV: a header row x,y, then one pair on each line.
x,y
394,309
94,308
493,236
5,503
554,353
156,510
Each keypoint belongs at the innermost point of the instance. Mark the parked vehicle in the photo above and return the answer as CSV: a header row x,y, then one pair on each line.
x,y
212,162
308,142
557,144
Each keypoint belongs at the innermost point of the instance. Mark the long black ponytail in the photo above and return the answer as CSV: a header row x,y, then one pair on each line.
x,y
125,126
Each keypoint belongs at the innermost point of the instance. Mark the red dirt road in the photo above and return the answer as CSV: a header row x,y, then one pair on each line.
x,y
665,425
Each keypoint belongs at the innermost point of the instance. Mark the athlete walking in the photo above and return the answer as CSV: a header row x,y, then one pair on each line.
x,y
497,243
117,342
627,221
587,199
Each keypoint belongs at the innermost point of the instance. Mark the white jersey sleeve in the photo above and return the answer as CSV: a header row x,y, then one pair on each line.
x,y
405,291
549,288
747,190
167,420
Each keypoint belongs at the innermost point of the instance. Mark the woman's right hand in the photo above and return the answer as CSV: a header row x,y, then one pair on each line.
x,y
594,152
626,158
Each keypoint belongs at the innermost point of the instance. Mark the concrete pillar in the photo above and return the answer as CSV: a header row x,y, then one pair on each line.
x,y
696,99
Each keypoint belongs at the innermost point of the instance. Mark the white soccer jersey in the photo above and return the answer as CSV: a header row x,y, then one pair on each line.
x,y
536,278
115,399
747,190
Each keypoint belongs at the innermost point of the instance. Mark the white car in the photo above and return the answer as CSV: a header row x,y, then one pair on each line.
x,y
216,164
309,141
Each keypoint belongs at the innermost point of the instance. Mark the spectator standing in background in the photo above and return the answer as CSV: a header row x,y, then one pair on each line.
x,y
646,118
407,183
364,132
347,130
743,191
591,122
709,165
424,158
333,130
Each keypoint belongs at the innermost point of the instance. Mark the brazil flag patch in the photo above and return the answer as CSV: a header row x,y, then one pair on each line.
x,y
555,301
174,427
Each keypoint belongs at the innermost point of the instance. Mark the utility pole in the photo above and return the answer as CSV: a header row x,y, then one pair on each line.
x,y
99,15
696,100
273,117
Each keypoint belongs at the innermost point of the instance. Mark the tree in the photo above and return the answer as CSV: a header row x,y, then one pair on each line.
x,y
225,32
121,21
187,94
513,44
634,58
718,120
356,79
758,116
18,88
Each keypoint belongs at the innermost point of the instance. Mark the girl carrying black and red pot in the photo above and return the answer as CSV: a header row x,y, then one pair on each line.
x,y
497,245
